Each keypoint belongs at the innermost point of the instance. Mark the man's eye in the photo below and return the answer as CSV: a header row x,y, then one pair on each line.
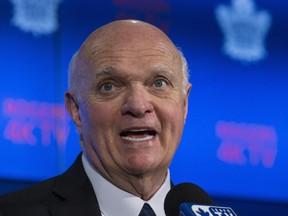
x,y
160,83
107,86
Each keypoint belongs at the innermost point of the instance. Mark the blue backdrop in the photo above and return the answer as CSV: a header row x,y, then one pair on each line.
x,y
235,142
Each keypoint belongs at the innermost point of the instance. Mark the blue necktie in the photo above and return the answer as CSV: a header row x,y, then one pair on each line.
x,y
147,211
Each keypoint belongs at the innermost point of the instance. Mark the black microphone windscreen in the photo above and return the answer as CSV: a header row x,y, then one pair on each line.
x,y
184,192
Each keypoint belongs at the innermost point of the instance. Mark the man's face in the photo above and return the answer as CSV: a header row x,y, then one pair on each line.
x,y
131,122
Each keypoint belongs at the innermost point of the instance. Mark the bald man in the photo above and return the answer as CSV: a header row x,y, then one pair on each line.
x,y
128,97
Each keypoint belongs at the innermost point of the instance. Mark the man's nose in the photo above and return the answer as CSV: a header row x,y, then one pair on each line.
x,y
137,102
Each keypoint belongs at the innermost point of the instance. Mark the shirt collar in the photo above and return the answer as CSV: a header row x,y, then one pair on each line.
x,y
113,200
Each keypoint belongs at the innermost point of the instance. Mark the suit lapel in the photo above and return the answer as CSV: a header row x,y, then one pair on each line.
x,y
76,193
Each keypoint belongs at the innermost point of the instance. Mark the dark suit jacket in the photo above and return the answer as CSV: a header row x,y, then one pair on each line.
x,y
69,194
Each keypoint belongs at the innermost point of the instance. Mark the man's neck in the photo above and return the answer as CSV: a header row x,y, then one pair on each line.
x,y
128,198
142,185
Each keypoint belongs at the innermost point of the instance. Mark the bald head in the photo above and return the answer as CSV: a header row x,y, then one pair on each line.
x,y
118,35
121,33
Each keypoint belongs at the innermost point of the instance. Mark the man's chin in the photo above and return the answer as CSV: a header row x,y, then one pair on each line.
x,y
141,167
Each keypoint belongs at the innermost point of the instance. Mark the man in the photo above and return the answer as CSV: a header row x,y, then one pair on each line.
x,y
128,98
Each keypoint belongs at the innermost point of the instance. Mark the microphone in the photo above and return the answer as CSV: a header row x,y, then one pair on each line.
x,y
182,193
187,199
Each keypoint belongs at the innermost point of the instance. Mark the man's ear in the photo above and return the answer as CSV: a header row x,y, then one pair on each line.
x,y
72,108
186,101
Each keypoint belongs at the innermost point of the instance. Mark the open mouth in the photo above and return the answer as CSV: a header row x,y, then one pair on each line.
x,y
138,135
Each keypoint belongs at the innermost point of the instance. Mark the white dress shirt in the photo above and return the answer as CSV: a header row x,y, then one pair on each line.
x,y
114,201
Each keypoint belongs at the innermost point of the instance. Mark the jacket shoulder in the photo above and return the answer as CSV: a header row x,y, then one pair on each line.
x,y
70,185
34,194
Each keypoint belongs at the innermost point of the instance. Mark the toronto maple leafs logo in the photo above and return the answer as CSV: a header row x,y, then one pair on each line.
x,y
36,16
244,30
206,210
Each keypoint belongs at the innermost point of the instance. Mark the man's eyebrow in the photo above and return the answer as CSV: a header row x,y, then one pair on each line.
x,y
161,69
105,71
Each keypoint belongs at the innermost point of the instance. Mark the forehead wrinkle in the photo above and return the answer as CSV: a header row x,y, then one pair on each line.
x,y
121,52
109,56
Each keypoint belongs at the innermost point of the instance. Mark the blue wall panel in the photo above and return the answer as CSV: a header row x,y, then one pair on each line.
x,y
235,142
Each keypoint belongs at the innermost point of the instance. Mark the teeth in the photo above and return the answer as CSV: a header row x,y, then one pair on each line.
x,y
138,130
137,139
138,135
